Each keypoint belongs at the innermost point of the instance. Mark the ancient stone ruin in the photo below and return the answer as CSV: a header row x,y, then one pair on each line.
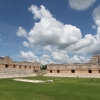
x,y
95,59
10,68
90,69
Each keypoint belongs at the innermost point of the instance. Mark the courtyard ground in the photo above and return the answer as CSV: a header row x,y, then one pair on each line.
x,y
62,88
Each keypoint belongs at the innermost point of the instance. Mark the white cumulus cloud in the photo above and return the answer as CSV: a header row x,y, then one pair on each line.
x,y
54,57
95,48
25,44
64,58
48,48
29,56
96,15
81,4
94,26
45,59
21,32
39,12
87,41
58,38
60,57
49,31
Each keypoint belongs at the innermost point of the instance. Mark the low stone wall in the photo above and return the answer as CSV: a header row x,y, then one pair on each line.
x,y
12,72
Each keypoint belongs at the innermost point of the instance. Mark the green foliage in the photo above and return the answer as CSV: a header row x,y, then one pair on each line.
x,y
44,67
63,89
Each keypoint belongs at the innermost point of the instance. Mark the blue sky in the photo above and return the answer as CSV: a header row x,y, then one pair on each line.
x,y
50,31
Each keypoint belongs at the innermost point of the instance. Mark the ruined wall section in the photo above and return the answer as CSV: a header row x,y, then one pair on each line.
x,y
92,67
95,59
7,62
74,68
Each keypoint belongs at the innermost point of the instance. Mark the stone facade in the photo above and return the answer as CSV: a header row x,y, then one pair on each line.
x,y
24,68
95,59
7,62
93,67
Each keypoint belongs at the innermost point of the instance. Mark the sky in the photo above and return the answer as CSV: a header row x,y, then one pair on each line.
x,y
50,31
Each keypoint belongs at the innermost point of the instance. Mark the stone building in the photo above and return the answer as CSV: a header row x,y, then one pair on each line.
x,y
92,67
95,59
7,62
10,68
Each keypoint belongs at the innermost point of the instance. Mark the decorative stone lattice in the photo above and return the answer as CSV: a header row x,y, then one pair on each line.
x,y
95,59
6,60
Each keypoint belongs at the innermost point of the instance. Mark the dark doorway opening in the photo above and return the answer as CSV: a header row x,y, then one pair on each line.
x,y
50,71
25,67
14,66
72,71
6,66
58,71
90,71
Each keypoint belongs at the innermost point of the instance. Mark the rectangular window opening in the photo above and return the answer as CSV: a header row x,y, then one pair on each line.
x,y
50,71
6,66
58,71
90,71
72,71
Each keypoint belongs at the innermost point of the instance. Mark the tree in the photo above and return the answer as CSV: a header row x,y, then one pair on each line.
x,y
44,67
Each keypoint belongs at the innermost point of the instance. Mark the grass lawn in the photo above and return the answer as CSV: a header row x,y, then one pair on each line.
x,y
63,89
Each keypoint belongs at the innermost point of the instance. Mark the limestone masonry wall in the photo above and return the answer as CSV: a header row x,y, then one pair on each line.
x,y
93,67
7,62
10,68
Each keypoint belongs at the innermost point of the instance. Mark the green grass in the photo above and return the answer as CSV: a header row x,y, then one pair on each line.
x,y
63,89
